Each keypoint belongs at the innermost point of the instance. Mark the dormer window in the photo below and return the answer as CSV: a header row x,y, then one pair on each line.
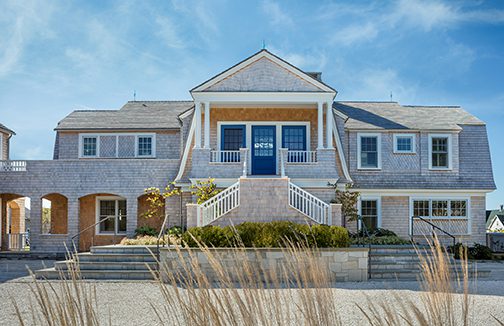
x,y
369,151
144,146
440,151
89,146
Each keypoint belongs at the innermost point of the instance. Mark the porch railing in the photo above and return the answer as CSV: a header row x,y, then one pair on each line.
x,y
18,241
301,156
12,166
429,227
309,205
219,205
225,156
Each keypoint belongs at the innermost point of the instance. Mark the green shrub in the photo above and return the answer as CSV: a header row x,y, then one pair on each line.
x,y
268,235
175,231
146,230
379,232
477,251
385,240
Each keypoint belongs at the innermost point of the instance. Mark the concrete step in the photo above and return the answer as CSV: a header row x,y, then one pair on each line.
x,y
123,249
99,266
89,257
53,274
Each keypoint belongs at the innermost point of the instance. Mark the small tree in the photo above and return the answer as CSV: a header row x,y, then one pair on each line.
x,y
204,190
156,199
348,200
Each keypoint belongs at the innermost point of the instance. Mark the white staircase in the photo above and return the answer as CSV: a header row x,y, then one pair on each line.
x,y
220,205
311,206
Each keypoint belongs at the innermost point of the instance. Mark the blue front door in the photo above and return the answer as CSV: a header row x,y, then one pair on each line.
x,y
263,150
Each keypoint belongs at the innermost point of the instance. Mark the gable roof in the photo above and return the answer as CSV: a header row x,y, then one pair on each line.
x,y
134,115
6,130
392,115
496,213
264,72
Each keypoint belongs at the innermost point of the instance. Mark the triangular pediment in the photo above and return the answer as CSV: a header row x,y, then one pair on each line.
x,y
263,72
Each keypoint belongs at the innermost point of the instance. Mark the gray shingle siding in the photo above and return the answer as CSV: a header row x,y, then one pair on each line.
x,y
68,145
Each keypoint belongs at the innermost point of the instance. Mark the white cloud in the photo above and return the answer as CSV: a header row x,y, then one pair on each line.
x,y
354,34
277,15
313,60
168,32
424,14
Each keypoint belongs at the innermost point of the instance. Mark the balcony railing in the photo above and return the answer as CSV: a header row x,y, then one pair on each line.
x,y
225,156
12,166
301,156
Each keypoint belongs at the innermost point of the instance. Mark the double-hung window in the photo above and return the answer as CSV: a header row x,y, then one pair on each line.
x,y
89,146
439,152
294,139
369,211
112,212
404,143
144,146
232,139
368,154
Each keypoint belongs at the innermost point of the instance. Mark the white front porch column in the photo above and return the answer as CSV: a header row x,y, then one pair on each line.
x,y
329,121
207,125
320,125
197,127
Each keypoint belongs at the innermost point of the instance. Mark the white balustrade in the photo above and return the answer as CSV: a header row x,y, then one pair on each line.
x,y
309,205
12,166
18,241
225,156
219,205
301,156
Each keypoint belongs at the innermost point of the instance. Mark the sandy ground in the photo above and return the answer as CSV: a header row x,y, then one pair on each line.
x,y
129,303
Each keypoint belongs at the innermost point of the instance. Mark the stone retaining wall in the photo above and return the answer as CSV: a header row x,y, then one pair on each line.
x,y
342,264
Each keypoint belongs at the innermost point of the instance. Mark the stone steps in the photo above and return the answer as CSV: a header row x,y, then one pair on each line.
x,y
53,274
145,266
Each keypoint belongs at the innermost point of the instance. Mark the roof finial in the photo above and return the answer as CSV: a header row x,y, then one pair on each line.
x,y
134,95
390,96
263,45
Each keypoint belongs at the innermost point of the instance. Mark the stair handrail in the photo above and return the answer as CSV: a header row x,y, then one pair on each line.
x,y
325,207
234,189
433,227
89,227
161,233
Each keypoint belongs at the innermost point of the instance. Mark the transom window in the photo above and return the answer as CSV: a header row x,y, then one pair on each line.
x,y
369,151
89,146
436,208
404,143
369,213
144,145
113,210
439,151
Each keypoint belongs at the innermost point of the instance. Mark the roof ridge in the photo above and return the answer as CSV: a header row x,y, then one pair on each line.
x,y
367,102
432,106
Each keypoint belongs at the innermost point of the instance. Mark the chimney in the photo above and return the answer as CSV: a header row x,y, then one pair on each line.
x,y
502,207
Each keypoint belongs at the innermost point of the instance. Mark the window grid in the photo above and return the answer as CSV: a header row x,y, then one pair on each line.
x,y
439,152
369,151
233,139
404,144
89,146
115,208
294,138
369,213
144,146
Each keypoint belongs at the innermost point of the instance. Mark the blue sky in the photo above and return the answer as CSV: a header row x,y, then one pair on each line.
x,y
57,56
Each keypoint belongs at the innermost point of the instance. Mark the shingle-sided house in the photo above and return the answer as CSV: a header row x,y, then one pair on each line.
x,y
272,137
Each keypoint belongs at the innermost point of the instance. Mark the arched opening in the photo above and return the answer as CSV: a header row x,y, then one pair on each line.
x,y
14,222
149,216
54,214
102,220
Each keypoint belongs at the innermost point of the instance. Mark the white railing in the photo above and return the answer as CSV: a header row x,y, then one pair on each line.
x,y
301,156
452,225
219,205
18,241
225,156
14,166
309,205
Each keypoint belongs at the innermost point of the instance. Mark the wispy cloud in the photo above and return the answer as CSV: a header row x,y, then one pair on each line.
x,y
277,15
310,60
167,31
354,34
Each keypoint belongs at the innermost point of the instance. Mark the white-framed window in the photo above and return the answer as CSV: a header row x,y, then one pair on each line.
x,y
404,143
440,151
145,145
368,151
370,210
117,145
113,211
90,146
440,207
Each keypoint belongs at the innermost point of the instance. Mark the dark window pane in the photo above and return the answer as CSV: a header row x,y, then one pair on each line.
x,y
421,208
369,213
89,146
144,146
458,208
439,152
439,208
369,152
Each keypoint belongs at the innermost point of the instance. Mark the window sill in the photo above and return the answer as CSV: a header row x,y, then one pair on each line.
x,y
440,169
369,169
405,153
110,233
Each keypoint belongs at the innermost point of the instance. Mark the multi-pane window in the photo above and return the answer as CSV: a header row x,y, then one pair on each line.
x,y
145,146
112,213
89,146
440,152
404,143
369,152
264,142
438,208
294,138
233,138
369,213
421,208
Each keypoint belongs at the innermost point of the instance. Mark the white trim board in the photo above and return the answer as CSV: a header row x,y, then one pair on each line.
x,y
404,135
187,149
450,152
378,208
378,149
